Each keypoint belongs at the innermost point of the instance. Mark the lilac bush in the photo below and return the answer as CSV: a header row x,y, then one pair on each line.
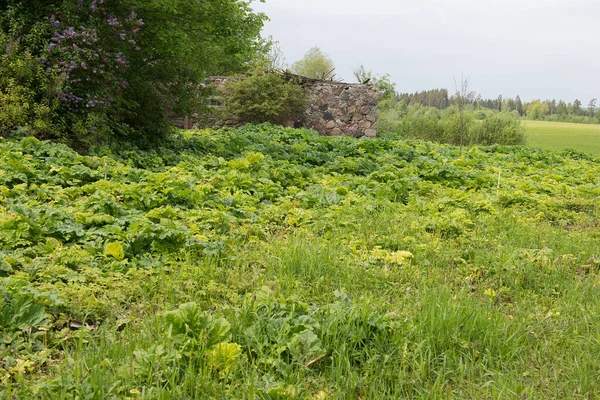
x,y
120,67
88,63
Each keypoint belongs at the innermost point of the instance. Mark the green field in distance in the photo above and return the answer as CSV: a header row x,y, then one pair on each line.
x,y
563,135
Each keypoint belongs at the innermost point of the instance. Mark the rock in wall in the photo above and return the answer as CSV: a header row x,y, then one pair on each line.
x,y
341,109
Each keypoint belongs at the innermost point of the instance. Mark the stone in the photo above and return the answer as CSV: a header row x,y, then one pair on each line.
x,y
372,118
337,112
328,116
351,110
364,124
356,134
336,132
330,125
364,110
327,96
345,118
371,133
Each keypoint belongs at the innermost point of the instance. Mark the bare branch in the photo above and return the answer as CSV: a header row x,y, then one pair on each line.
x,y
462,97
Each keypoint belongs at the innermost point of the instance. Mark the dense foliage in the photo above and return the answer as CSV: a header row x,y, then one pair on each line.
x,y
94,68
278,264
24,91
264,97
486,127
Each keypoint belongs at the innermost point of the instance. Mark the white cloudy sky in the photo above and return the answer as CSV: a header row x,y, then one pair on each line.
x,y
535,48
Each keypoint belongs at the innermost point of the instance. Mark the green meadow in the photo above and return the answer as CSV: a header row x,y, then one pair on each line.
x,y
272,263
563,135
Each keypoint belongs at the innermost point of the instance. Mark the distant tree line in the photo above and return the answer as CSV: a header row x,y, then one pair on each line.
x,y
541,110
551,110
437,98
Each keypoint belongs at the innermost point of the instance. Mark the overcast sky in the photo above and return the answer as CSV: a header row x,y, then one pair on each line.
x,y
535,48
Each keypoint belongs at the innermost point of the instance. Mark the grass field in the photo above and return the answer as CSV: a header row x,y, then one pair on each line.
x,y
562,135
271,263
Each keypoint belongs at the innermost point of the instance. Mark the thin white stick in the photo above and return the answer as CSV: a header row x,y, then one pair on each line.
x,y
498,191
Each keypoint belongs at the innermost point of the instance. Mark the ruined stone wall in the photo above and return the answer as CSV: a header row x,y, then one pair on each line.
x,y
342,109
335,109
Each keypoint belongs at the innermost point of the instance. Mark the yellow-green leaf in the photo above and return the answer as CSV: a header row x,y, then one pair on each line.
x,y
223,356
115,250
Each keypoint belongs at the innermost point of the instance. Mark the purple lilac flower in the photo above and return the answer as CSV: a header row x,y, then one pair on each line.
x,y
55,23
113,21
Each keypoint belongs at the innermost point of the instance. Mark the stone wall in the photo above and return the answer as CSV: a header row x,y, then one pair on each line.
x,y
341,109
335,108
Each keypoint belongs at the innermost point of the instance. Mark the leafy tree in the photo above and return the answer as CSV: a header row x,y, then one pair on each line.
x,y
269,57
385,87
561,108
509,105
315,64
537,110
577,107
552,106
519,105
117,66
592,107
383,84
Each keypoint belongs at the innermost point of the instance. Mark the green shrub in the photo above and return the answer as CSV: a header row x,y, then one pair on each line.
x,y
264,98
482,126
502,129
421,126
388,122
25,99
451,129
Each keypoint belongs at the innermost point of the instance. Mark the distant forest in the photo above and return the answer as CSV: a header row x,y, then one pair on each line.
x,y
548,110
